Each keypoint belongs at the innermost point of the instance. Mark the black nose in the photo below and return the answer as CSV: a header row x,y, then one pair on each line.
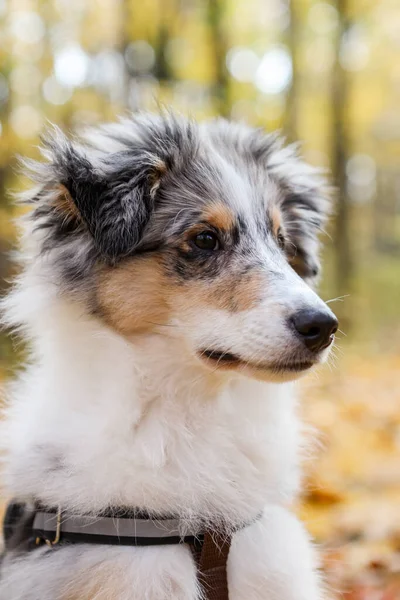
x,y
316,327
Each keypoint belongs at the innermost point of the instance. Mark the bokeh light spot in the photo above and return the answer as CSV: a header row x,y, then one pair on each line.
x,y
27,26
354,49
361,173
323,18
107,69
361,169
242,63
71,65
140,57
274,73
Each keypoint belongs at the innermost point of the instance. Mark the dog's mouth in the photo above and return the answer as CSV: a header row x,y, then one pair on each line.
x,y
219,356
224,360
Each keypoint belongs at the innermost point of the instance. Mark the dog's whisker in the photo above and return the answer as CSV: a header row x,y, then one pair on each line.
x,y
337,347
338,299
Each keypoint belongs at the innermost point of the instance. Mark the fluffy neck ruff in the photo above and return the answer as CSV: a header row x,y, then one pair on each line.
x,y
98,421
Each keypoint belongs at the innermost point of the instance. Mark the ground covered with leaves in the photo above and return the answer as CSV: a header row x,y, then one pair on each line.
x,y
352,503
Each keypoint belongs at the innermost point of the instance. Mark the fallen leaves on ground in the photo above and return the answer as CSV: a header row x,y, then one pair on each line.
x,y
352,503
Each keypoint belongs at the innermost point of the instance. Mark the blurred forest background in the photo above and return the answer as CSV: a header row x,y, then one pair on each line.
x,y
324,72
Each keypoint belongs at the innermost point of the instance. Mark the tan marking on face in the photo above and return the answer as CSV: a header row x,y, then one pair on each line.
x,y
233,293
276,218
238,293
65,204
132,297
140,294
220,216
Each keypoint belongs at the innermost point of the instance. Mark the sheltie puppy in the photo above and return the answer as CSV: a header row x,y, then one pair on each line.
x,y
166,292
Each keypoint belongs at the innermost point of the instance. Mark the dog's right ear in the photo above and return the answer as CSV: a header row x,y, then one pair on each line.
x,y
112,196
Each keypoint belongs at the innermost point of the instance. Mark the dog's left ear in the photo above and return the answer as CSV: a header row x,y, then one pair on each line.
x,y
112,197
305,205
305,213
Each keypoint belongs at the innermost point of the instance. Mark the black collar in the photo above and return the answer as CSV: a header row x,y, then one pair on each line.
x,y
27,525
32,525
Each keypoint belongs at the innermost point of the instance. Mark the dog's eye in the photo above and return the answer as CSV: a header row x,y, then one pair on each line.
x,y
206,240
280,238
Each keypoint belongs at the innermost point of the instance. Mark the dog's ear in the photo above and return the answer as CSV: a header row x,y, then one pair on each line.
x,y
112,197
304,216
305,205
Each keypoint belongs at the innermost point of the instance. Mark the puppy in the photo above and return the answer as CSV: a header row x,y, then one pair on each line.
x,y
165,292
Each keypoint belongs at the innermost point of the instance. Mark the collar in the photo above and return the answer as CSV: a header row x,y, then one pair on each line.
x,y
28,523
126,530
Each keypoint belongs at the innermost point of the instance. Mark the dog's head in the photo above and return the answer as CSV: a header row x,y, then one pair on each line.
x,y
207,233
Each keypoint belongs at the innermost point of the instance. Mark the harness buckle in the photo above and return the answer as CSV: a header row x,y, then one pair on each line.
x,y
52,543
58,530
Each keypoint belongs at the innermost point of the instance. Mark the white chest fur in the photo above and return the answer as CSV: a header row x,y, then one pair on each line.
x,y
98,421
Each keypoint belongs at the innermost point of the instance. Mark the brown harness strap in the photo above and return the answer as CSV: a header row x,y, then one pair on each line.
x,y
212,566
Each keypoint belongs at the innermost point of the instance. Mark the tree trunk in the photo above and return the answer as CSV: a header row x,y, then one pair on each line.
x,y
291,123
215,14
344,262
124,40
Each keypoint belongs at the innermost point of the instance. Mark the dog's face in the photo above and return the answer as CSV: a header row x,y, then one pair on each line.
x,y
204,233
